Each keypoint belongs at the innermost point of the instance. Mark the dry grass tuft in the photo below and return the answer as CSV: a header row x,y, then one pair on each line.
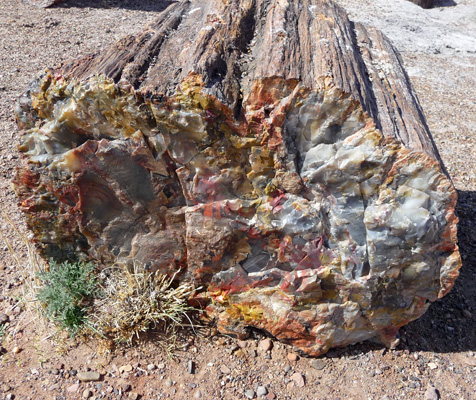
x,y
135,300
29,267
129,301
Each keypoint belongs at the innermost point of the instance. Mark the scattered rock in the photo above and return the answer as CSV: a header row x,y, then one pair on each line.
x,y
87,394
56,386
225,369
198,394
151,367
89,376
298,379
73,388
265,344
431,393
318,364
250,394
261,391
292,357
432,365
242,343
5,388
134,395
467,314
16,350
270,396
190,367
287,368
161,366
125,368
4,318
169,382
9,396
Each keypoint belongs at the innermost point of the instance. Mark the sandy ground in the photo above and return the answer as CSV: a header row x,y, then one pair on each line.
x,y
438,47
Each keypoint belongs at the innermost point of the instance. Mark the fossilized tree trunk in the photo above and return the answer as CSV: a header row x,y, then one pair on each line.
x,y
423,3
271,151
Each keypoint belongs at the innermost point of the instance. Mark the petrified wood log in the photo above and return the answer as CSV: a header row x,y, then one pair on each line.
x,y
271,151
424,3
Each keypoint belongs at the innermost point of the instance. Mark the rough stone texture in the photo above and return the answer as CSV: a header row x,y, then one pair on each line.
x,y
272,152
89,376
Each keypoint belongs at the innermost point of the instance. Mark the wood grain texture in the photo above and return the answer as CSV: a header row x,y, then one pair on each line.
x,y
231,44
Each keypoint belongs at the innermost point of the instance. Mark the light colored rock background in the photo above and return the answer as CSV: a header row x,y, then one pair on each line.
x,y
438,47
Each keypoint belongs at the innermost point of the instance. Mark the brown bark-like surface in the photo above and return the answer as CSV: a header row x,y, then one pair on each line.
x,y
271,152
230,45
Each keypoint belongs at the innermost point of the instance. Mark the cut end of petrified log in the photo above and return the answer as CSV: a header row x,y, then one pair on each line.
x,y
296,216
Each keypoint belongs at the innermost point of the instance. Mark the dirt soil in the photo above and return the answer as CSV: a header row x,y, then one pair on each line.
x,y
437,354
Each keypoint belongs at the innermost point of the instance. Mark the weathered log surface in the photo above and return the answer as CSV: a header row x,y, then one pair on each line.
x,y
424,3
272,151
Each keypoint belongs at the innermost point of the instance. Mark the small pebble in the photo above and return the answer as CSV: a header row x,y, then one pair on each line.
x,y
89,376
225,369
250,394
292,357
298,379
133,395
318,364
198,394
190,367
4,318
265,344
151,367
125,368
432,365
261,391
431,393
73,388
16,350
169,382
87,394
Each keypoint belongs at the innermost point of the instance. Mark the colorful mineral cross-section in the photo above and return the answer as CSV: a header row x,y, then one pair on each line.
x,y
289,210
